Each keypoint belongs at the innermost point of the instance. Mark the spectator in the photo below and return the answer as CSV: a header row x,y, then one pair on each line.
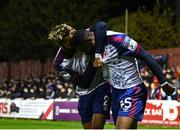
x,y
70,92
51,86
25,91
59,88
33,92
177,81
155,92
50,90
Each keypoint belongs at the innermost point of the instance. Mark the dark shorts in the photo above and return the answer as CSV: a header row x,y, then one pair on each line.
x,y
129,102
98,101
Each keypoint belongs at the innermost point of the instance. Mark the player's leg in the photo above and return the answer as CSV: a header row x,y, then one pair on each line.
x,y
86,117
101,106
98,121
115,104
87,125
126,123
132,103
85,111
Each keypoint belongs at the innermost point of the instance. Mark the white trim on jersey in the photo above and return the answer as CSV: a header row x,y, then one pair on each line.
x,y
109,33
57,54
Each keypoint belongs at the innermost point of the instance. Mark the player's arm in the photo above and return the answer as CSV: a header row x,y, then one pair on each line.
x,y
62,63
134,49
60,56
100,35
152,64
84,80
156,70
99,30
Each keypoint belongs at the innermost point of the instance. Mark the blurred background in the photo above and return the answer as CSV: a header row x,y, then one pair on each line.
x,y
26,54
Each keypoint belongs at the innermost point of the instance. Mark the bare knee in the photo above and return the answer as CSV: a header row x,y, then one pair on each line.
x,y
98,121
87,125
126,123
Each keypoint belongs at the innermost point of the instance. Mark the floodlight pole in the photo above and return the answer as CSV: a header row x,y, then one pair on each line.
x,y
126,21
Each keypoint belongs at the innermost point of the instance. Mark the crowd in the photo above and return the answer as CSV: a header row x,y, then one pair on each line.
x,y
48,86
51,86
153,86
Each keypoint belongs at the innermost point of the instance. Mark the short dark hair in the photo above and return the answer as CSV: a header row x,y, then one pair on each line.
x,y
80,36
81,39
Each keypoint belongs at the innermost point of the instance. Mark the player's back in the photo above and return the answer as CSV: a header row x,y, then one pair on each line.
x,y
123,70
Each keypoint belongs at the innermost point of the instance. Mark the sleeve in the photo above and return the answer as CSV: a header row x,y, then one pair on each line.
x,y
59,58
61,62
130,46
100,36
152,64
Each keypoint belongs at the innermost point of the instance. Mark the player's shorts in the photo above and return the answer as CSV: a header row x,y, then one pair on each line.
x,y
98,101
129,102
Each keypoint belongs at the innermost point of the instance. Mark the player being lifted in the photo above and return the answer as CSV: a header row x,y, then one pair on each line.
x,y
129,93
94,102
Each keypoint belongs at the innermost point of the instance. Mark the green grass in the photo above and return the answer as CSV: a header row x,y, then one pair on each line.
x,y
6,123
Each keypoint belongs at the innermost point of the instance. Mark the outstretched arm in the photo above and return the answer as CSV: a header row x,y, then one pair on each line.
x,y
131,48
156,70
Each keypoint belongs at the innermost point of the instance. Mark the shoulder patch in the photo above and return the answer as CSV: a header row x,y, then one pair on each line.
x,y
129,43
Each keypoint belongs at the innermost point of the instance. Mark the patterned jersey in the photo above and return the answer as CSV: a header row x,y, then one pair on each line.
x,y
119,61
78,63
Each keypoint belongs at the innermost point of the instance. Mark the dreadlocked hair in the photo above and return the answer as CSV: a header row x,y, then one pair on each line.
x,y
59,32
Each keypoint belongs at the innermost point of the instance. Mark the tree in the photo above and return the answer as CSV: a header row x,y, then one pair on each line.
x,y
25,25
152,32
177,10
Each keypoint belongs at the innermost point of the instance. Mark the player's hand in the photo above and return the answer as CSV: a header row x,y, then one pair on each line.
x,y
65,75
168,88
97,62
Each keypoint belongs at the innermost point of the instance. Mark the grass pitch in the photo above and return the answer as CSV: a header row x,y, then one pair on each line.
x,y
6,123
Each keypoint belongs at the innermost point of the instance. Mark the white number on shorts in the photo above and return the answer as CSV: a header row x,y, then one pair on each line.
x,y
106,103
126,103
106,100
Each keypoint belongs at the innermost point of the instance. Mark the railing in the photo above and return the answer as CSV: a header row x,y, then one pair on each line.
x,y
159,112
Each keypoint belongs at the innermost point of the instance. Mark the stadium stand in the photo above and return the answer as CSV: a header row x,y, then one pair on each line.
x,y
52,86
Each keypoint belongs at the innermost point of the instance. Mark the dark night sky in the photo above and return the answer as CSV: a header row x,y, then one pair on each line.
x,y
133,5
120,6
3,3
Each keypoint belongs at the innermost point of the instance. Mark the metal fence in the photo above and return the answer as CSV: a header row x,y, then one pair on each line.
x,y
23,68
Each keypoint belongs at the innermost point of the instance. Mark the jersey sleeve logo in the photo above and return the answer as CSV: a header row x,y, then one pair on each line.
x,y
129,43
65,64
